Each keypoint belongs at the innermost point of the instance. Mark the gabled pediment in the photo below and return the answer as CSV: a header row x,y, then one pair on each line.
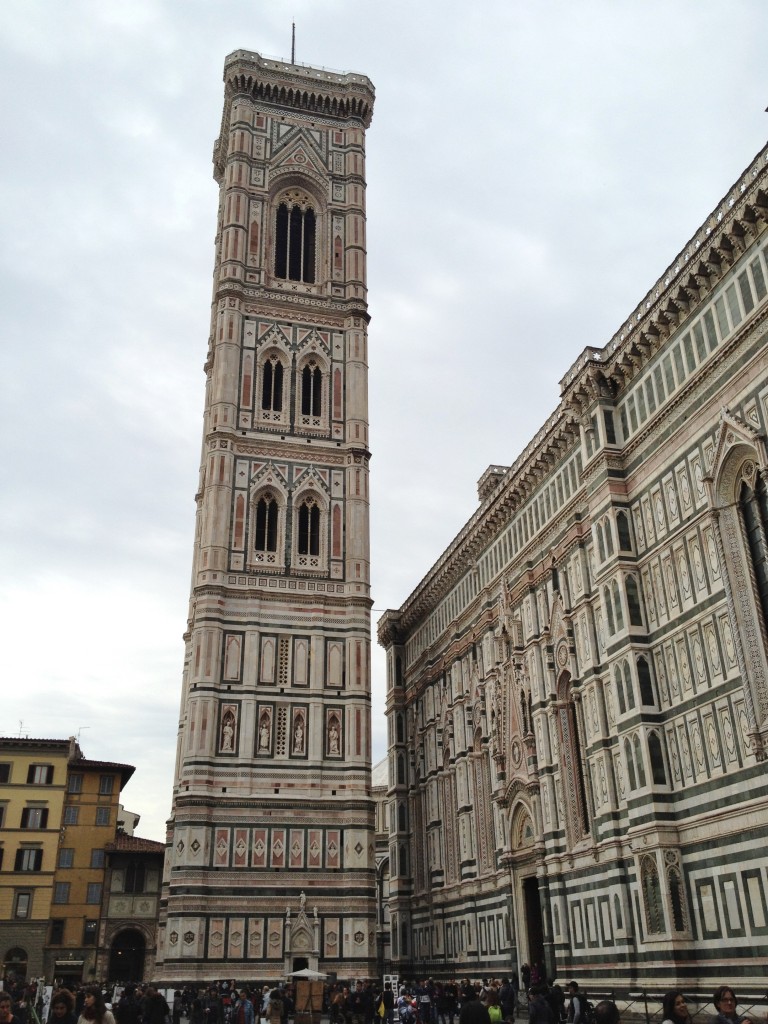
x,y
291,138
739,450
269,474
314,340
312,476
558,624
273,335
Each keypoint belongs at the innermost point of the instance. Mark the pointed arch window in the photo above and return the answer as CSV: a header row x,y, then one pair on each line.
x,y
266,530
639,761
266,524
399,727
677,900
309,528
617,605
311,390
631,777
295,241
625,536
272,385
633,602
656,757
600,541
608,602
649,882
647,696
574,784
629,686
620,690
608,536
754,509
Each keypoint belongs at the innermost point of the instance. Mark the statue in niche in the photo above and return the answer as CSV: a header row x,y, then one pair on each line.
x,y
333,737
228,733
298,735
264,733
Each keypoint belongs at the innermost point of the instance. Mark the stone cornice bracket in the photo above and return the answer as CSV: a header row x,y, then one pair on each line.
x,y
388,629
712,250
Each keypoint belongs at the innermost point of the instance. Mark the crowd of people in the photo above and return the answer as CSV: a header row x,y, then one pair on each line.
x,y
362,1002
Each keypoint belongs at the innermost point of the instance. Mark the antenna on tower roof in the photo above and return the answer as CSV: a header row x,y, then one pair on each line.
x,y
293,42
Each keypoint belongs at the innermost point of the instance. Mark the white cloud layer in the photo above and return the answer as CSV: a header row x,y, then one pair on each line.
x,y
532,169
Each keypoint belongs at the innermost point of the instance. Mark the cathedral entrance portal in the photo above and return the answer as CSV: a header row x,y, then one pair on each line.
x,y
534,925
300,963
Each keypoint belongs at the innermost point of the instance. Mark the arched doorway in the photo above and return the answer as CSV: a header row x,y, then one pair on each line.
x,y
126,956
15,964
529,924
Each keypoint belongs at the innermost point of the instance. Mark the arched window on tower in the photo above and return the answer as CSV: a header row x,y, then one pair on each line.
x,y
295,231
620,690
633,602
402,861
309,528
647,695
608,602
600,541
311,390
629,686
608,535
265,534
656,757
272,385
625,536
266,529
617,605
630,761
639,761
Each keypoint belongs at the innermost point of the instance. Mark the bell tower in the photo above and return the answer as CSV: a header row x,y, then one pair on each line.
x,y
272,792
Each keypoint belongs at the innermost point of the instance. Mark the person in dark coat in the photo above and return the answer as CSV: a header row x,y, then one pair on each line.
x,y
155,1007
473,1011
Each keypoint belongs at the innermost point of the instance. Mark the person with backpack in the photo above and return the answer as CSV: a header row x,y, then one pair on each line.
x,y
493,1006
576,1007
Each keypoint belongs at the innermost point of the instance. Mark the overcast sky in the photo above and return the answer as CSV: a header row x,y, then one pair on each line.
x,y
533,167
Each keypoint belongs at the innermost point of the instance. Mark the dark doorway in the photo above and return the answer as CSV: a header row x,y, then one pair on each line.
x,y
126,958
15,964
533,923
300,963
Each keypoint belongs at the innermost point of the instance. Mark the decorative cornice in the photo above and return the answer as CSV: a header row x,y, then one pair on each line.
x,y
286,451
683,287
602,373
513,490
315,93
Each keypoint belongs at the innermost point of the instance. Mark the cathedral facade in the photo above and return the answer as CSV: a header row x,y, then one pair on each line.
x,y
270,856
577,691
